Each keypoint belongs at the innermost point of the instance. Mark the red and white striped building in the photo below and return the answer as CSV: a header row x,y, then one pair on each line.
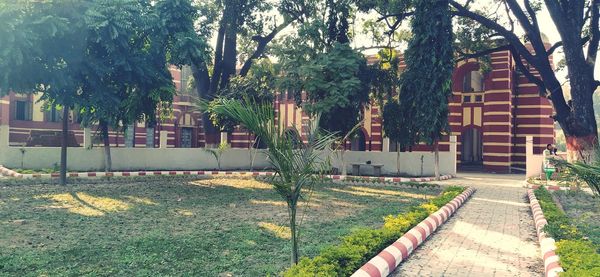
x,y
491,114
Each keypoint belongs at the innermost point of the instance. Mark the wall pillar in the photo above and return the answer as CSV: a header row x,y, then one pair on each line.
x,y
163,139
150,137
224,137
4,122
386,145
87,138
129,135
453,150
529,164
4,131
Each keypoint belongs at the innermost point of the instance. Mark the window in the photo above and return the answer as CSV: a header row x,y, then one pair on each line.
x,y
53,115
186,73
22,110
473,81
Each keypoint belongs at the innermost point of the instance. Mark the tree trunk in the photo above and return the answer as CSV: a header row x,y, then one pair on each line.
x,y
436,147
344,169
200,72
293,233
229,55
581,148
63,146
579,126
105,139
398,159
218,64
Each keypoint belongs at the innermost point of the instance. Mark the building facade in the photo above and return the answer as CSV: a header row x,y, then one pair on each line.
x,y
491,114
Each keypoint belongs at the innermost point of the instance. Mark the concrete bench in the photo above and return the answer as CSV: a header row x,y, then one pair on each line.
x,y
376,168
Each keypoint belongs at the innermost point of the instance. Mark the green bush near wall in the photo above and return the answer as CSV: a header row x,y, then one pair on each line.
x,y
360,246
578,256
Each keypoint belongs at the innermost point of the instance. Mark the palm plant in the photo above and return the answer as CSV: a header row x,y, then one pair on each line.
x,y
218,152
587,172
297,165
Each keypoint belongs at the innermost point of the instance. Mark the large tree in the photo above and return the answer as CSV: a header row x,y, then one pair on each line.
x,y
577,22
244,29
126,74
43,52
322,71
426,82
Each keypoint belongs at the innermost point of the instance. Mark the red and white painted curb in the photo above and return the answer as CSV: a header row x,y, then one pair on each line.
x,y
9,173
387,260
547,245
387,179
12,173
548,187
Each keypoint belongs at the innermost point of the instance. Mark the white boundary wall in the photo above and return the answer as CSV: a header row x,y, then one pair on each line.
x,y
83,159
533,163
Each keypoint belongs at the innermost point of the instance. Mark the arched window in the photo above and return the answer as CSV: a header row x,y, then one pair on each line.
x,y
359,142
473,81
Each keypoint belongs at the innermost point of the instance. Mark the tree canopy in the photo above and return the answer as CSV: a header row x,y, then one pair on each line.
x,y
484,29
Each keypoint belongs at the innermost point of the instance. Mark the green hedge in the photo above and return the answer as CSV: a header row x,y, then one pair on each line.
x,y
578,256
360,246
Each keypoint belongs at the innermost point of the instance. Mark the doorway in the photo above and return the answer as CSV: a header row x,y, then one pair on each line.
x,y
186,137
359,143
472,147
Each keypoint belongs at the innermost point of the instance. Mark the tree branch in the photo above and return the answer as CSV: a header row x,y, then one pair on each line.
x,y
592,50
521,67
531,13
466,56
396,15
262,46
559,44
490,24
553,48
533,33
374,47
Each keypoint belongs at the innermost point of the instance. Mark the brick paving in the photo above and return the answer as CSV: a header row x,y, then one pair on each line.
x,y
491,235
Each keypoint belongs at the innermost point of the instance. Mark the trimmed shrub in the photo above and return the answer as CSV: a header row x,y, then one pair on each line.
x,y
360,246
559,225
578,256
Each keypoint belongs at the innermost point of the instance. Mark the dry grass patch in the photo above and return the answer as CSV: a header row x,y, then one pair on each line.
x,y
178,226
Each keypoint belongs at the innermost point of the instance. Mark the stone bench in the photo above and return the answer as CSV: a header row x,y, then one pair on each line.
x,y
376,168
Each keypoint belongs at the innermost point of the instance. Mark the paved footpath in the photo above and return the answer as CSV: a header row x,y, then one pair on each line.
x,y
492,234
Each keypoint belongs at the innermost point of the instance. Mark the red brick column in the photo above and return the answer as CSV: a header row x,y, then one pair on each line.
x,y
497,115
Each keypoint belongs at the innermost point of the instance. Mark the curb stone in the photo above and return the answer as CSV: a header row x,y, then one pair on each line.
x,y
11,173
387,260
547,244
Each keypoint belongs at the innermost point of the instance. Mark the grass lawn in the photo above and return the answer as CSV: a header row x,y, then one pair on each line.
x,y
178,226
584,211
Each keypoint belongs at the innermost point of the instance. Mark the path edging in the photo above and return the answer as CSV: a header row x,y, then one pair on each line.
x,y
548,187
11,173
547,244
387,260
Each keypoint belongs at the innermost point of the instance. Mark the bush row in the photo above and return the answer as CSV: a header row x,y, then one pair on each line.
x,y
361,245
578,256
